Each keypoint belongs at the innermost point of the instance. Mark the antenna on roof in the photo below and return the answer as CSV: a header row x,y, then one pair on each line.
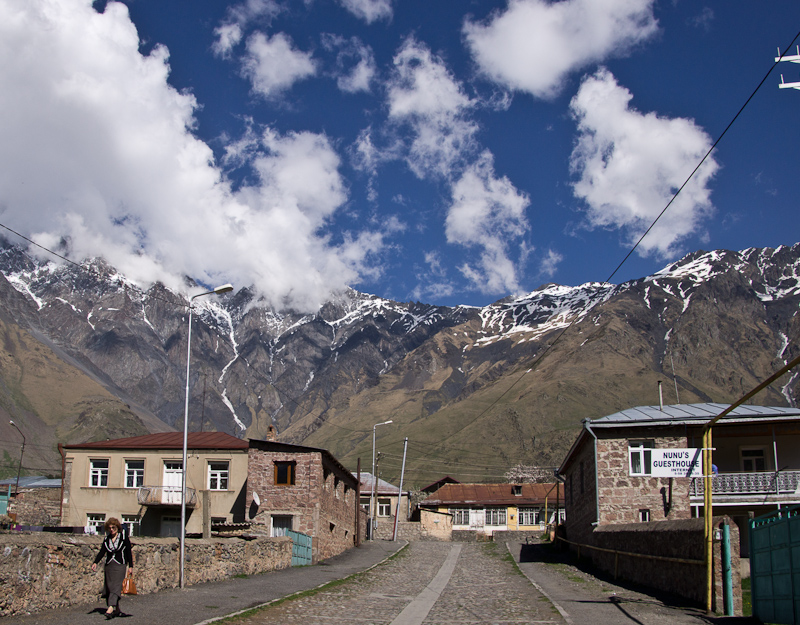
x,y
794,58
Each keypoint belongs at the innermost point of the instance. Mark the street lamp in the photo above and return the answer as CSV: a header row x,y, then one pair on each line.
x,y
372,521
225,288
22,453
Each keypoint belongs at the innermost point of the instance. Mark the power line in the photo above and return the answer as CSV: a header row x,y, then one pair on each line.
x,y
538,358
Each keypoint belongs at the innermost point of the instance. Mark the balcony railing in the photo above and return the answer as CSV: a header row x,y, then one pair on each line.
x,y
165,496
762,483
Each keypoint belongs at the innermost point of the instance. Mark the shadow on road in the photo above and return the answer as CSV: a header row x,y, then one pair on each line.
x,y
549,553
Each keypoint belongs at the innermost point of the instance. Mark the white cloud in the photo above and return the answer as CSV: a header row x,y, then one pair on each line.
x,y
534,44
424,94
96,148
355,63
369,10
630,164
230,32
549,264
273,65
487,212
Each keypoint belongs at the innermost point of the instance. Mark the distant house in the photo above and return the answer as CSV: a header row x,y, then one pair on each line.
x,y
434,486
610,474
387,500
489,508
305,490
138,480
36,503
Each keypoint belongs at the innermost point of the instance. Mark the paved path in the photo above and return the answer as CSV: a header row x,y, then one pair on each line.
x,y
583,599
204,602
429,582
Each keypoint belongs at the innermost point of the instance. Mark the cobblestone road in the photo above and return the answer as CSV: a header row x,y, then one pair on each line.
x,y
481,585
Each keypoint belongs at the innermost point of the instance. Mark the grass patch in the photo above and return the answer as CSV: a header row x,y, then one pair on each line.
x,y
241,576
747,598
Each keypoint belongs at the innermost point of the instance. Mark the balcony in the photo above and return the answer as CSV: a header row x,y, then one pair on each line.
x,y
165,496
779,484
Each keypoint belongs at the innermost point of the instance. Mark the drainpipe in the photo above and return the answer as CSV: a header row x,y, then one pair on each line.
x,y
588,428
727,578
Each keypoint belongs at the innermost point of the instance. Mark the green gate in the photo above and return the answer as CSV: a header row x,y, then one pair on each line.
x,y
4,499
775,566
301,548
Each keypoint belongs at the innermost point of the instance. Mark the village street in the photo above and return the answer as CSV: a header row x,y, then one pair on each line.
x,y
441,583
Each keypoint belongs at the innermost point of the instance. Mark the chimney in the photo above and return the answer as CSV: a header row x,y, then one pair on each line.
x,y
272,434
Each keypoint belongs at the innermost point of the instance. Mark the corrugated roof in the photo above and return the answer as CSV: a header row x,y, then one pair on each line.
x,y
689,413
169,440
489,494
382,487
32,481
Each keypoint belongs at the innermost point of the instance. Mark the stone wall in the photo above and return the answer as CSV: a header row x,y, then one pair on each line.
x,y
36,506
42,571
683,539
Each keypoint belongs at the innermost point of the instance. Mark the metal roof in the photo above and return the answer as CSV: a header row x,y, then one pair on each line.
x,y
680,414
488,494
169,440
32,481
382,487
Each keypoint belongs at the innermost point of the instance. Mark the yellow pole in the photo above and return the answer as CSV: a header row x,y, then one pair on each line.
x,y
708,513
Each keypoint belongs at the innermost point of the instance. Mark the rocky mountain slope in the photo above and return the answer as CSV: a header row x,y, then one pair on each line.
x,y
474,389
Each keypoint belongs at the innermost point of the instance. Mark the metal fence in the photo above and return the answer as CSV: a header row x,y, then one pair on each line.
x,y
775,566
301,548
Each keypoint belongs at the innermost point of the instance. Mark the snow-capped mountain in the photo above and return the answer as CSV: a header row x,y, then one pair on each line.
x,y
512,378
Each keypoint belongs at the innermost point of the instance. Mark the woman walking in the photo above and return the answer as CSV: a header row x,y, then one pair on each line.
x,y
116,548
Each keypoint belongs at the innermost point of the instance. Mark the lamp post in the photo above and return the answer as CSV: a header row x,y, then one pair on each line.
x,y
22,453
225,288
372,522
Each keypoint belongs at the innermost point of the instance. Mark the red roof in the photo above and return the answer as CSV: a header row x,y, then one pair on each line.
x,y
169,440
490,494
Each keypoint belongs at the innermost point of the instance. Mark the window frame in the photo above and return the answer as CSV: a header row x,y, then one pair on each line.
x,y
460,514
216,481
495,517
134,523
743,458
134,472
97,520
384,507
98,473
528,514
643,451
291,473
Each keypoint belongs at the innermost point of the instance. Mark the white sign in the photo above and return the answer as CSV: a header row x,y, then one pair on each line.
x,y
677,463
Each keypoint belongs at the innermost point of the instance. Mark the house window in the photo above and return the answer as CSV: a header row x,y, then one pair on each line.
x,y
365,503
281,524
639,456
528,516
134,473
98,473
460,516
95,523
644,515
133,522
384,507
217,476
753,459
495,516
284,473
517,490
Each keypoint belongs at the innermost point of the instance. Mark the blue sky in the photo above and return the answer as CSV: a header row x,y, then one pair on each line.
x,y
448,151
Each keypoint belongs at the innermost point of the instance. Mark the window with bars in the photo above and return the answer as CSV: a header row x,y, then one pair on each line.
x,y
98,473
460,516
528,516
495,516
134,473
217,476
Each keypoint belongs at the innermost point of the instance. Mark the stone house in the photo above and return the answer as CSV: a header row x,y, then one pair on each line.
x,y
36,503
488,508
305,490
609,471
387,500
138,480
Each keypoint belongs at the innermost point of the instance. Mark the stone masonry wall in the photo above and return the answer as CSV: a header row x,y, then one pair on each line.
x,y
683,539
623,497
42,571
318,502
579,494
36,506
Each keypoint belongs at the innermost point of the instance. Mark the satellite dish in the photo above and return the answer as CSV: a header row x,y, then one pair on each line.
x,y
256,499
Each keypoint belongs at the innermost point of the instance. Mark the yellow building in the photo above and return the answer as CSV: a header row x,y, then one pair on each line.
x,y
138,480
